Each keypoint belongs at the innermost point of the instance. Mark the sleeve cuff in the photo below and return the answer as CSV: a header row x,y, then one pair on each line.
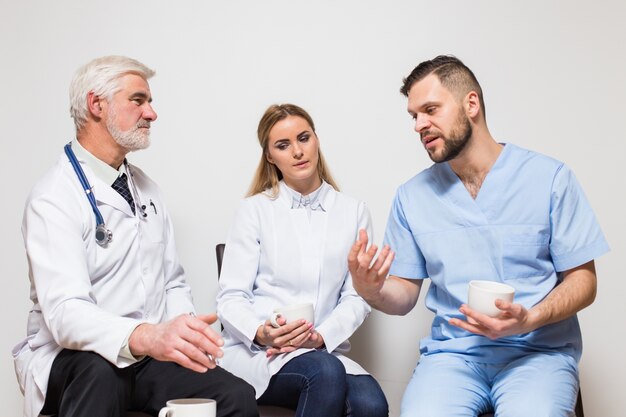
x,y
582,256
408,271
125,349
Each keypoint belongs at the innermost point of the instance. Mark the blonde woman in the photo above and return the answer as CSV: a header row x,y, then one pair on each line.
x,y
289,244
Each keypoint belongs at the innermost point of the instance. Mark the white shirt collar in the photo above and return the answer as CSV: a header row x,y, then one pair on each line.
x,y
311,202
101,169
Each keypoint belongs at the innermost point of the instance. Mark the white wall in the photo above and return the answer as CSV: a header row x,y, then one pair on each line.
x,y
552,72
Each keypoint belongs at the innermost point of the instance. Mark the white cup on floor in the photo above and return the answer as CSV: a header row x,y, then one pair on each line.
x,y
189,407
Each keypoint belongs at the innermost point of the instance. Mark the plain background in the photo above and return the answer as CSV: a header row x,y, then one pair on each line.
x,y
552,73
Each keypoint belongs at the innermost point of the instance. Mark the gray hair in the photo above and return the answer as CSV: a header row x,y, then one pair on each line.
x,y
102,76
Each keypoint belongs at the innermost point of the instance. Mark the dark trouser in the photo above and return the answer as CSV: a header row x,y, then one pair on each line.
x,y
316,385
84,384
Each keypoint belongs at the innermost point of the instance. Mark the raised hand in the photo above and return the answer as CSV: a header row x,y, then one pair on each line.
x,y
368,273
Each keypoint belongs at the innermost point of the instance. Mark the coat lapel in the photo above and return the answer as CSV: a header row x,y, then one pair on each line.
x,y
104,193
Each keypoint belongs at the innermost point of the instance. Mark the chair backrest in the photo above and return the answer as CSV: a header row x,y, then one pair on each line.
x,y
579,405
219,253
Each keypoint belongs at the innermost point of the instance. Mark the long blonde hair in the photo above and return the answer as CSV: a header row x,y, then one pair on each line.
x,y
267,175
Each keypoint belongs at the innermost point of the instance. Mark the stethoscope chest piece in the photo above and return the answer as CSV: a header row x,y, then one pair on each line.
x,y
103,235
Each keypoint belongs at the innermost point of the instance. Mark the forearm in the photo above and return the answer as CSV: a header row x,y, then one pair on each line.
x,y
237,315
259,336
397,296
78,325
178,301
345,318
575,292
139,340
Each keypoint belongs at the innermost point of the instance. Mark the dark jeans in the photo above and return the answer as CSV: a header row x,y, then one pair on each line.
x,y
84,384
316,384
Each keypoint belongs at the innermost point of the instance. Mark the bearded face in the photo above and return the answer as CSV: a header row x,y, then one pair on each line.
x,y
133,139
453,142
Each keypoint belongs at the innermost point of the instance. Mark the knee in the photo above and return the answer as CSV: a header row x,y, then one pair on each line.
x,y
328,368
96,377
368,406
321,374
437,408
365,397
372,409
549,408
237,397
98,371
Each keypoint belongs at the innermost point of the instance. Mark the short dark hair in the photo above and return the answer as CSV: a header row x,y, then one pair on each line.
x,y
451,72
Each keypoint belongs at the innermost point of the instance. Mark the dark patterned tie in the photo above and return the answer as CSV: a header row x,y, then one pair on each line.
x,y
121,186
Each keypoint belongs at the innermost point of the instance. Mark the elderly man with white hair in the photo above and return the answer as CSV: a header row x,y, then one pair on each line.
x,y
113,326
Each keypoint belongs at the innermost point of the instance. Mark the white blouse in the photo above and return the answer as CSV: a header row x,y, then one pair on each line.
x,y
277,256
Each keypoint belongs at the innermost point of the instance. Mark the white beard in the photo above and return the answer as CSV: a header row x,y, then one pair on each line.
x,y
133,139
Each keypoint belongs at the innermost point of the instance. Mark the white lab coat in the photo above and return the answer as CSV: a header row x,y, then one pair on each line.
x,y
277,256
86,297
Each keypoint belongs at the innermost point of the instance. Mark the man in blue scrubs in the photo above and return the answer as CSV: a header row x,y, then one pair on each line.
x,y
491,211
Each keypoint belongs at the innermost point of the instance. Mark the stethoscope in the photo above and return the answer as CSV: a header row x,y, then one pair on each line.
x,y
103,234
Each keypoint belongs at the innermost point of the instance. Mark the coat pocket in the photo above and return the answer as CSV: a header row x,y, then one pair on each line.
x,y
524,254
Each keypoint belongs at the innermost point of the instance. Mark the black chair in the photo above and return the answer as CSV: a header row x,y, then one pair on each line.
x,y
219,254
264,410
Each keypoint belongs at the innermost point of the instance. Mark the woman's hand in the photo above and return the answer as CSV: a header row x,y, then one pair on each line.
x,y
287,337
314,341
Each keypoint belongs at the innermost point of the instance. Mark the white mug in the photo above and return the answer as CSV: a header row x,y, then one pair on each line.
x,y
189,407
482,296
293,312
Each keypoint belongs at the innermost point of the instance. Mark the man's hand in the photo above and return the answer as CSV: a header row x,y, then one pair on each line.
x,y
187,340
368,277
576,291
513,320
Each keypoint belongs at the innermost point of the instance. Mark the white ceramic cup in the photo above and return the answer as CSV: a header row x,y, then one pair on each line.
x,y
482,296
189,407
293,312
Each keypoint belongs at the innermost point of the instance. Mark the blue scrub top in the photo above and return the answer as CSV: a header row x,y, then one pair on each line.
x,y
529,222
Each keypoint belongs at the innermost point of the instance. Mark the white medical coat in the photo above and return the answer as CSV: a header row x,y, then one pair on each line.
x,y
86,297
277,256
